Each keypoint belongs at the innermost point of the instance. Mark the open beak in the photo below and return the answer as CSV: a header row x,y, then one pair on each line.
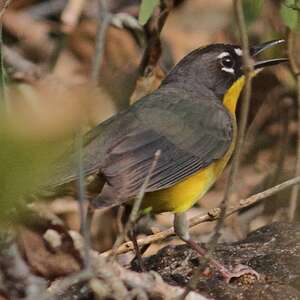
x,y
255,50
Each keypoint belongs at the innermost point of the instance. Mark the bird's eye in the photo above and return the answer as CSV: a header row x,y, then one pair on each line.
x,y
227,62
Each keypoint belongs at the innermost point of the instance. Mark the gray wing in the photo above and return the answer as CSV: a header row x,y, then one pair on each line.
x,y
189,139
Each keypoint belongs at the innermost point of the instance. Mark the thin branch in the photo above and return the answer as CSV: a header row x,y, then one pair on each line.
x,y
248,68
136,205
4,7
138,201
102,26
71,14
34,40
212,215
101,269
82,202
3,74
153,29
293,54
104,18
42,10
152,52
154,286
59,287
2,68
20,68
119,282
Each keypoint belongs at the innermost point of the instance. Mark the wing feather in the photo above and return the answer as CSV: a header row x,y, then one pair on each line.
x,y
189,140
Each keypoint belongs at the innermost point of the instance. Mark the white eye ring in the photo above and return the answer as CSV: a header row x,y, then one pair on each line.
x,y
238,51
228,70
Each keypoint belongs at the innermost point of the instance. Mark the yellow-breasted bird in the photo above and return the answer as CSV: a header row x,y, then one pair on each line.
x,y
190,118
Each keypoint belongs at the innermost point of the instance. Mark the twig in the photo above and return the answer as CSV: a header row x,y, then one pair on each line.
x,y
138,201
71,14
134,214
82,202
118,280
248,68
3,75
2,71
42,10
102,26
20,68
210,216
136,206
153,285
153,29
293,54
100,39
59,287
101,268
153,50
4,7
69,19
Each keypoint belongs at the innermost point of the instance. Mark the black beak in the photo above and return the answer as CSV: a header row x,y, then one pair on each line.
x,y
255,50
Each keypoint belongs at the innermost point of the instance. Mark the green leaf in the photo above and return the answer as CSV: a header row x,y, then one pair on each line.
x,y
252,9
146,10
289,14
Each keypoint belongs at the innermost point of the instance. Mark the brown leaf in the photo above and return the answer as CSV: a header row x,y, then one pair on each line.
x,y
42,260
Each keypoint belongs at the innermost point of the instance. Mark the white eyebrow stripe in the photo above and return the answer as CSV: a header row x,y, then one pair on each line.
x,y
228,70
223,54
238,51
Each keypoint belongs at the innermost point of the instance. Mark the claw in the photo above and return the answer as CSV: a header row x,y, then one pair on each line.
x,y
247,274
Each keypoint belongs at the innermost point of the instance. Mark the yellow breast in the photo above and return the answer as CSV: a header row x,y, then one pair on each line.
x,y
185,193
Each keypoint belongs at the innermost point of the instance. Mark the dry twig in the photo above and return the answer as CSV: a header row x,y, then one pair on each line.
x,y
137,203
212,215
99,268
147,69
134,214
153,29
82,202
41,10
20,68
35,40
2,79
71,15
293,54
103,23
4,7
120,282
248,68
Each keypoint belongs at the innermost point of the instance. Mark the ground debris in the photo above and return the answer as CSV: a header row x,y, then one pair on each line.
x,y
273,251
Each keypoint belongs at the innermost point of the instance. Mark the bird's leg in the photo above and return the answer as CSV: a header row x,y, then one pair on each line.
x,y
181,228
138,252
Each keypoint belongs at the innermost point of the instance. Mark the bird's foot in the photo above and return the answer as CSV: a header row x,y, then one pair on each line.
x,y
245,273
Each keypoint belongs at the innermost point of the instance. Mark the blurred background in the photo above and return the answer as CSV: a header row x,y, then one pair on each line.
x,y
50,87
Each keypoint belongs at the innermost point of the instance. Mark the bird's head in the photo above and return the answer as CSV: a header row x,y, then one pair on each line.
x,y
215,68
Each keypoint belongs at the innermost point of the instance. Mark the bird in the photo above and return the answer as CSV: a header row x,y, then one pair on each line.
x,y
190,120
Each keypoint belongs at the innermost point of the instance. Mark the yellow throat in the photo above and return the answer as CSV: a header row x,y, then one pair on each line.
x,y
232,95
